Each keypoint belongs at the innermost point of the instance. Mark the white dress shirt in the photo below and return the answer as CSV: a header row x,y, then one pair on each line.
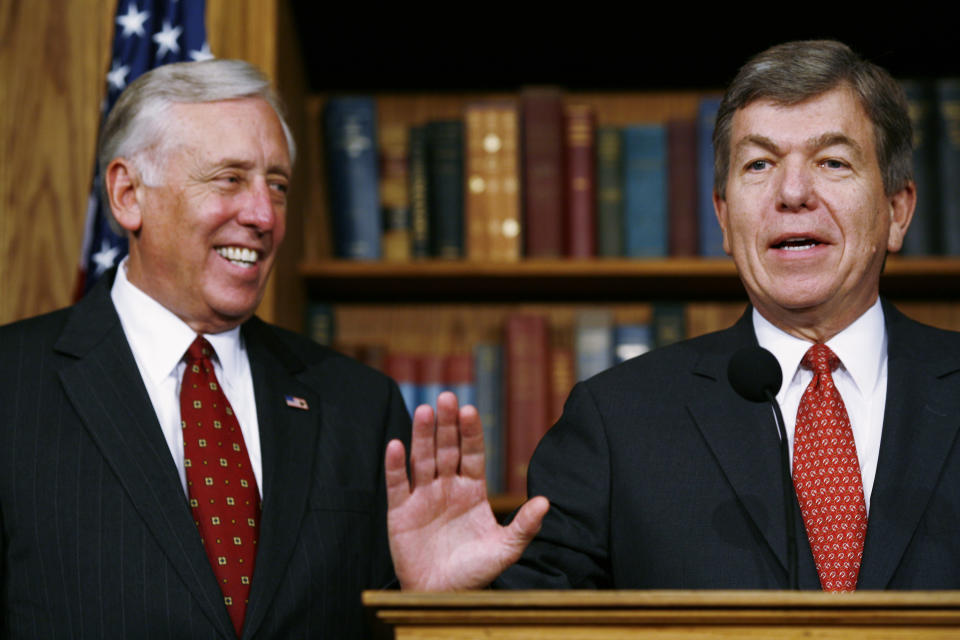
x,y
159,340
861,379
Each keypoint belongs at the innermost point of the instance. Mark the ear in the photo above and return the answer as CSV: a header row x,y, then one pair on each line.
x,y
720,208
122,182
902,205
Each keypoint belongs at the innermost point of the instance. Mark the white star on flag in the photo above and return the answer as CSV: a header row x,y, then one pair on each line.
x,y
132,23
105,258
203,54
117,76
167,39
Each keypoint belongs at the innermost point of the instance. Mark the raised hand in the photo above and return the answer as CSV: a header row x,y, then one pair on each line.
x,y
443,534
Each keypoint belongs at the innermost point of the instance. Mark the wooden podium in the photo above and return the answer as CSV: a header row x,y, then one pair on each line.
x,y
676,615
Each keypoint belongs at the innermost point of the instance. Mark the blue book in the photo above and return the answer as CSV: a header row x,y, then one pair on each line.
x,y
631,340
354,184
593,342
948,110
645,190
923,237
321,326
711,239
488,368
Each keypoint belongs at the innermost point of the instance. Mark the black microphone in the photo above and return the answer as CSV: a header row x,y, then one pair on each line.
x,y
754,374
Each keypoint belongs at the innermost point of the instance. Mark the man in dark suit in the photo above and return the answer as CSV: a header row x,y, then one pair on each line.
x,y
102,471
659,475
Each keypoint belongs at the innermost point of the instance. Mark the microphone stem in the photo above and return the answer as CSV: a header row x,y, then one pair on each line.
x,y
788,493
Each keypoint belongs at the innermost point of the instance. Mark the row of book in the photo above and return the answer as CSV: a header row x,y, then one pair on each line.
x,y
539,174
935,112
516,364
531,176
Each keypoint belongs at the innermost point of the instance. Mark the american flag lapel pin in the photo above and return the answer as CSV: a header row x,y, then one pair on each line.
x,y
296,402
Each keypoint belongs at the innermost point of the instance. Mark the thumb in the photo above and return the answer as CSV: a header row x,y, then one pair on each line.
x,y
527,523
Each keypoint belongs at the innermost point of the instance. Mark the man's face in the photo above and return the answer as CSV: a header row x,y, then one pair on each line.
x,y
209,234
805,217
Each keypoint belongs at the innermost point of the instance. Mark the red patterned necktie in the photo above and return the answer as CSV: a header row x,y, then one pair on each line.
x,y
826,474
223,491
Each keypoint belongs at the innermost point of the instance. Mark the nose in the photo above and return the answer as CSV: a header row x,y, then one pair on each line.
x,y
797,191
260,209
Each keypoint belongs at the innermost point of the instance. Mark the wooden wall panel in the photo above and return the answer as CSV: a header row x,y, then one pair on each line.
x,y
53,56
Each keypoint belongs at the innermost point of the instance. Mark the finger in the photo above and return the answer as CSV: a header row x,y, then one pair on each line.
x,y
423,465
472,454
526,524
448,434
395,471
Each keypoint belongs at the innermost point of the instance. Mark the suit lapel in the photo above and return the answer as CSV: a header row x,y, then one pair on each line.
x,y
743,437
919,427
105,388
288,438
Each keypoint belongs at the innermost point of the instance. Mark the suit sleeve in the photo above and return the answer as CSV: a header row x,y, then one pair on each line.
x,y
571,467
396,426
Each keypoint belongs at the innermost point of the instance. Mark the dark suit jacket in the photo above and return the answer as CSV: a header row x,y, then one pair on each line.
x,y
97,537
660,476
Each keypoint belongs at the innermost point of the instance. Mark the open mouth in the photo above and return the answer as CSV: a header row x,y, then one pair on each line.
x,y
797,244
239,256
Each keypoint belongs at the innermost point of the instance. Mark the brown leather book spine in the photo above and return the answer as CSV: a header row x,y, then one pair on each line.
x,y
580,183
527,393
543,172
682,224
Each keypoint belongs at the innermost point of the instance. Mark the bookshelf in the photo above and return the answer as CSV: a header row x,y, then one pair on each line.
x,y
438,306
905,278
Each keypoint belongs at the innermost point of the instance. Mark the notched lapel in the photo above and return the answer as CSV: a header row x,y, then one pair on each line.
x,y
919,429
104,386
288,437
742,436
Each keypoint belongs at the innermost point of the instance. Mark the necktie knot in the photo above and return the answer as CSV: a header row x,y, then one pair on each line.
x,y
198,350
820,359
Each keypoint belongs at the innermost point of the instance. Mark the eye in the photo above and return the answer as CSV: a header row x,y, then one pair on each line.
x,y
757,165
228,179
834,163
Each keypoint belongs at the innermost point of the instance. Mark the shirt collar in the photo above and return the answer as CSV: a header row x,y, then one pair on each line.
x,y
861,346
159,338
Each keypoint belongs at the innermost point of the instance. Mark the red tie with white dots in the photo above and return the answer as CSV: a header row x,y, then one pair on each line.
x,y
223,492
826,475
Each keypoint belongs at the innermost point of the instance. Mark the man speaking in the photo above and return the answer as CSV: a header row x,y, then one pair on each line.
x,y
658,474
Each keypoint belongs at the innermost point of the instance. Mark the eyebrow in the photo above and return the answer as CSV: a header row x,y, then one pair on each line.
x,y
246,165
824,140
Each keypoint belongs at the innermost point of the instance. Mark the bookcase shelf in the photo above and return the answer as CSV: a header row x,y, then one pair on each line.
x,y
583,280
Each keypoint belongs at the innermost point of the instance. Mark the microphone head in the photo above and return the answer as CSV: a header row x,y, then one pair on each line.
x,y
752,372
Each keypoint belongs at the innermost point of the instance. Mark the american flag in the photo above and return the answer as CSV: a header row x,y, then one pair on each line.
x,y
296,402
147,34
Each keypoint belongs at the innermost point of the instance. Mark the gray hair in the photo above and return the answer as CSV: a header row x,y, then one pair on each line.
x,y
136,125
792,72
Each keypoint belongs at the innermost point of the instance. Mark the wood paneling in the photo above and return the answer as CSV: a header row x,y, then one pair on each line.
x,y
53,56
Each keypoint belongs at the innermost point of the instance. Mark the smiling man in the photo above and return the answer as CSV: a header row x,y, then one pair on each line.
x,y
171,466
658,474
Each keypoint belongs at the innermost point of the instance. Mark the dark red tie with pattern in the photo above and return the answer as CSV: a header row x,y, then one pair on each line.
x,y
826,474
223,491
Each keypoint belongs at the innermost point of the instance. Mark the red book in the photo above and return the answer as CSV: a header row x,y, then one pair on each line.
x,y
543,172
580,183
682,202
526,393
